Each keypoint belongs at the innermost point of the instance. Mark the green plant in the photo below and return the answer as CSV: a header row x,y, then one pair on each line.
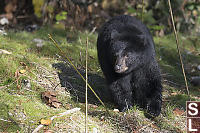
x,y
61,16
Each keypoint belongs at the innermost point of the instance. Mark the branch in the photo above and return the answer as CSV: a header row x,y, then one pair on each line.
x,y
59,115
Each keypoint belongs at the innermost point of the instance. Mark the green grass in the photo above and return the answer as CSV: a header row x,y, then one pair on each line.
x,y
17,100
22,109
168,58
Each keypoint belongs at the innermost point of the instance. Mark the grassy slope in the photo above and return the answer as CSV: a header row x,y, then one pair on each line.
x,y
22,108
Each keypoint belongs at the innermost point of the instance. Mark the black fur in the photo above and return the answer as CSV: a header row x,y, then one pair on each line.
x,y
126,55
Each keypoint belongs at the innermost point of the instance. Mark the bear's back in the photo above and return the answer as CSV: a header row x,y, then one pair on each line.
x,y
123,25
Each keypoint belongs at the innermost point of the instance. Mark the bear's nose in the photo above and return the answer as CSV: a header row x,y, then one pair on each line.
x,y
117,67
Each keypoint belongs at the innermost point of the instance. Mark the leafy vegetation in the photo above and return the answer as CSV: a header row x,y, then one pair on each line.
x,y
92,13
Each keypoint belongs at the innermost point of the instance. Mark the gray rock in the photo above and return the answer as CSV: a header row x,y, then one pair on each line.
x,y
4,21
31,28
2,31
188,52
198,67
27,83
38,40
195,81
39,45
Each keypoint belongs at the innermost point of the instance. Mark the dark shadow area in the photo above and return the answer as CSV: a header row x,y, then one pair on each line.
x,y
70,79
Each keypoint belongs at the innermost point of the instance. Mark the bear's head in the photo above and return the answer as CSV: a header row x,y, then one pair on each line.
x,y
127,52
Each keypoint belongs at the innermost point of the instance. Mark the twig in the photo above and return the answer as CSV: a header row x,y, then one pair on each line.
x,y
177,44
4,120
1,87
86,84
93,30
59,115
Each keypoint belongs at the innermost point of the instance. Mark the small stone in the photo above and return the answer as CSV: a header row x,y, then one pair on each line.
x,y
3,32
39,45
4,21
38,40
193,70
27,83
195,81
102,118
31,28
188,52
116,110
198,67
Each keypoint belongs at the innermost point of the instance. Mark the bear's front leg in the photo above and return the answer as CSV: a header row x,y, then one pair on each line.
x,y
122,95
154,104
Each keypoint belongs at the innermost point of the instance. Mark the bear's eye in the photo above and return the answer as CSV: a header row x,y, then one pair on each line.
x,y
127,55
115,57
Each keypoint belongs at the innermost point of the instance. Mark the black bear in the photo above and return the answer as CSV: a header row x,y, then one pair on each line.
x,y
126,55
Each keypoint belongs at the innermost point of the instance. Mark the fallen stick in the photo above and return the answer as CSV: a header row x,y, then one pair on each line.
x,y
59,115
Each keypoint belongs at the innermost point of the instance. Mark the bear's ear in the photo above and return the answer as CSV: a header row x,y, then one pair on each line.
x,y
141,39
114,34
